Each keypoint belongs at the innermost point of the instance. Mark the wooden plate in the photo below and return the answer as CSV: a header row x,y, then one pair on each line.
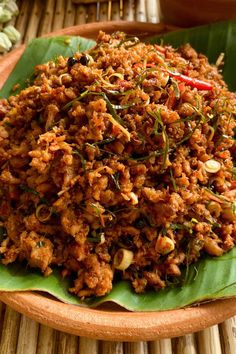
x,y
112,322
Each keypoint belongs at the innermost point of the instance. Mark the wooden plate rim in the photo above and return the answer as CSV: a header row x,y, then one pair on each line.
x,y
102,323
118,325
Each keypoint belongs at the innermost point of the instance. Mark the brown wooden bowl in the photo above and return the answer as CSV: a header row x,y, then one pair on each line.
x,y
112,322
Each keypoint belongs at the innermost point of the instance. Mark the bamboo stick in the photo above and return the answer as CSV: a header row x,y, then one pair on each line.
x,y
34,20
112,347
186,345
152,11
22,18
136,348
103,11
81,15
115,11
140,11
1,317
69,19
88,346
109,10
46,25
11,324
67,344
59,14
27,337
47,340
209,341
162,346
128,10
228,337
86,1
92,14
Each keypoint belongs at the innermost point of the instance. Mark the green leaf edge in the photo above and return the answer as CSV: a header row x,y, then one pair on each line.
x,y
40,51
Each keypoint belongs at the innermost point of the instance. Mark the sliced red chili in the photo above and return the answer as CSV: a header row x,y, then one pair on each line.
x,y
160,49
233,185
151,65
137,65
199,84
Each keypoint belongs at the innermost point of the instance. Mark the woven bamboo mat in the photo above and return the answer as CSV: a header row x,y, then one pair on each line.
x,y
39,17
21,335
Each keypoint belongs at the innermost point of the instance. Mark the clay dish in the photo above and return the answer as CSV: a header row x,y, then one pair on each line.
x,y
111,322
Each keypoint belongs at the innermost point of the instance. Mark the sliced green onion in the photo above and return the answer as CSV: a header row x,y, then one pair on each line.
x,y
43,212
164,245
212,166
123,259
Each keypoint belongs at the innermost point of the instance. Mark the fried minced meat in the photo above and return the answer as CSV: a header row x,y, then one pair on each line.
x,y
118,163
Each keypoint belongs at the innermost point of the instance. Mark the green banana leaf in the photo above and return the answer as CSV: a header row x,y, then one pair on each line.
x,y
39,51
211,40
210,278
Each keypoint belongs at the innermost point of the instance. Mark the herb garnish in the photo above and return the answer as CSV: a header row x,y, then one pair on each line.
x,y
27,189
115,179
40,244
82,159
173,180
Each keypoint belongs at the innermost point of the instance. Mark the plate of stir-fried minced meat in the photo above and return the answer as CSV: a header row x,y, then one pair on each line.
x,y
118,180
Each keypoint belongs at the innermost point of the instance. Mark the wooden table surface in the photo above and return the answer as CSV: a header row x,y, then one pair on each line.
x,y
21,335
